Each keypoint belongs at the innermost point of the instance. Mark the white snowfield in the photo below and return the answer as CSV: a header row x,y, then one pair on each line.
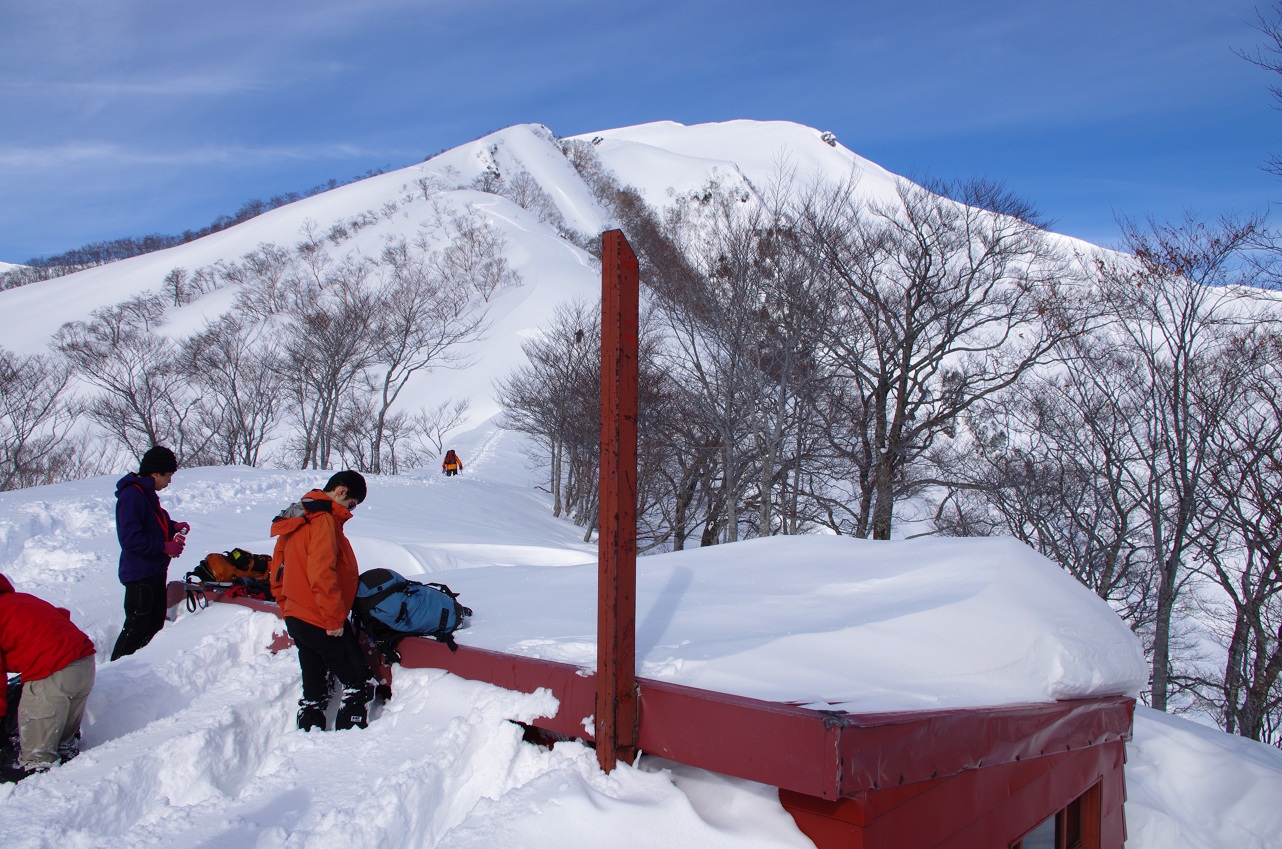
x,y
191,742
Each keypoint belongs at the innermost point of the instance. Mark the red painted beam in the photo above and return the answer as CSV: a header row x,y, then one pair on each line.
x,y
825,754
616,697
948,778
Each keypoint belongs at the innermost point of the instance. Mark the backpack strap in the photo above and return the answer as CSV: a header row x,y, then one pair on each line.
x,y
164,526
299,509
371,601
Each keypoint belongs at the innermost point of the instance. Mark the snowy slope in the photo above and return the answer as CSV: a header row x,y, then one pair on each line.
x,y
662,160
552,269
191,741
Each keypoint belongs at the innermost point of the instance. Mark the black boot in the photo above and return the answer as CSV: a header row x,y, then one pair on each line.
x,y
352,712
12,773
69,749
310,715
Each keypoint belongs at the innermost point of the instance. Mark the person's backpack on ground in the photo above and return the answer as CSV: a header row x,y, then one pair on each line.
x,y
227,566
390,607
238,571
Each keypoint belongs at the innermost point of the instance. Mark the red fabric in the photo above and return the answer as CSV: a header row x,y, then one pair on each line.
x,y
36,638
319,579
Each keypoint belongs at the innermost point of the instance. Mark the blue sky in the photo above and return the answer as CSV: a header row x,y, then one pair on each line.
x,y
142,116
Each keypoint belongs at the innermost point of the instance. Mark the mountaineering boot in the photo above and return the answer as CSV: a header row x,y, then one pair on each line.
x,y
12,773
352,712
310,715
69,749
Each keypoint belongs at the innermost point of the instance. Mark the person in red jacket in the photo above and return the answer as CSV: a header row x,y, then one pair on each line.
x,y
314,576
55,660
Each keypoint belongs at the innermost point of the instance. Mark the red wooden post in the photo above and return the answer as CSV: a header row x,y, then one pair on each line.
x,y
616,697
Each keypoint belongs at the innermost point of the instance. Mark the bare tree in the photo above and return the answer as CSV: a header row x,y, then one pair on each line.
x,y
269,277
327,342
120,353
942,304
1052,463
555,398
1269,57
1241,548
476,258
237,404
431,424
35,420
1175,321
525,192
424,319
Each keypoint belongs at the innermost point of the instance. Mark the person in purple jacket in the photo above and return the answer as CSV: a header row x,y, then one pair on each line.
x,y
149,539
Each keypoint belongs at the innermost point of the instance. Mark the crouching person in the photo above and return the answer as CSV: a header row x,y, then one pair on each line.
x,y
314,577
55,660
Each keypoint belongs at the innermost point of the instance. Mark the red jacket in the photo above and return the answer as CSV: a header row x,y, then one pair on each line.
x,y
314,572
36,638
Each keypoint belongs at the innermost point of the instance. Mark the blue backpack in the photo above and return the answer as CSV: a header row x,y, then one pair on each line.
x,y
389,607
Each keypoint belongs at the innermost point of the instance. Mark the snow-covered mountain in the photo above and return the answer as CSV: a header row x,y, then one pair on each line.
x,y
661,160
191,742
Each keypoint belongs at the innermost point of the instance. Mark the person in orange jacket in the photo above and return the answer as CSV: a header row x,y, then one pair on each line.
x,y
314,576
452,465
56,662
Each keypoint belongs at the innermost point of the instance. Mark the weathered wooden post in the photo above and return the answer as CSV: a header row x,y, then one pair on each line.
x,y
616,696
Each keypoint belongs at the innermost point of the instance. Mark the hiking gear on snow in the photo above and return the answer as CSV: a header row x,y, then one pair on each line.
x,y
390,607
228,566
196,590
313,567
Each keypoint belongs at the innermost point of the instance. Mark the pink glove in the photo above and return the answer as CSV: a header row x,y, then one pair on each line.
x,y
174,547
181,527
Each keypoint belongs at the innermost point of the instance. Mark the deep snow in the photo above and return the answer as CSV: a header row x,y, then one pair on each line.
x,y
191,741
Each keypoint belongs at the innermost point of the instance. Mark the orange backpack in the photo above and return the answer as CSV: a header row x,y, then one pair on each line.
x,y
227,567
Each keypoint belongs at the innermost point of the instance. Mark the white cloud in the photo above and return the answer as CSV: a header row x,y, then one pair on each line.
x,y
111,155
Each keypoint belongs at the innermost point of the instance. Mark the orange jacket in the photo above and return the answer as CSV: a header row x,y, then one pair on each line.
x,y
314,571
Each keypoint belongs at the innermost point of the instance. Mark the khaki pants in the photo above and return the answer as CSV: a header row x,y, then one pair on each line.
x,y
50,712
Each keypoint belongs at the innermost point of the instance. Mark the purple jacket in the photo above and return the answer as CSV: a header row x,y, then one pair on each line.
x,y
143,527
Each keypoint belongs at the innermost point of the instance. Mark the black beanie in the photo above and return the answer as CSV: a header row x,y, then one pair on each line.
x,y
158,459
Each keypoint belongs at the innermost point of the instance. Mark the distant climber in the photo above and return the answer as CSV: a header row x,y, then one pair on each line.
x,y
452,465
